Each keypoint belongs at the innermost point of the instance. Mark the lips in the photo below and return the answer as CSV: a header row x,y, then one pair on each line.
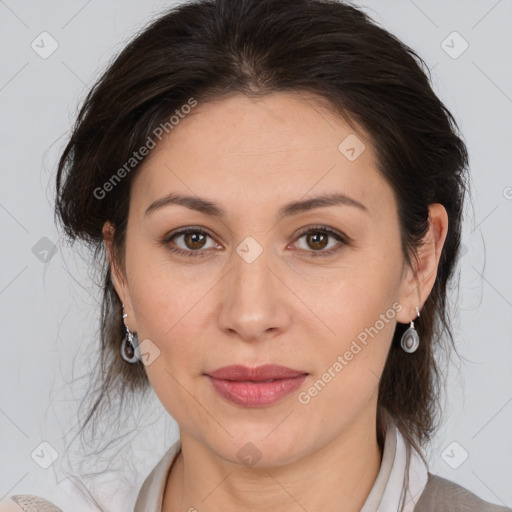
x,y
256,387
268,372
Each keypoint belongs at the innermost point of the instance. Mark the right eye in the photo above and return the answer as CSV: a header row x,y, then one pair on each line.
x,y
193,240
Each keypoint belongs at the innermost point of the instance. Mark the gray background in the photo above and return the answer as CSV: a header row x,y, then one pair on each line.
x,y
50,306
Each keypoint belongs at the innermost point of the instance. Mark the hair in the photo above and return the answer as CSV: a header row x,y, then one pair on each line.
x,y
206,50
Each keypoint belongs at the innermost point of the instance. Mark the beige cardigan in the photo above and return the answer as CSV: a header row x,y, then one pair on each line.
x,y
424,492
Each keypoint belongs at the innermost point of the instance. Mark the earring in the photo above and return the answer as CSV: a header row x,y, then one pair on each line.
x,y
410,339
129,344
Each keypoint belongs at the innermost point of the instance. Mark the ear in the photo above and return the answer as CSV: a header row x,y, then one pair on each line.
x,y
416,289
117,275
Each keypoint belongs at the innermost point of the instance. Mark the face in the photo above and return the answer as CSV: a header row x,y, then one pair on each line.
x,y
317,290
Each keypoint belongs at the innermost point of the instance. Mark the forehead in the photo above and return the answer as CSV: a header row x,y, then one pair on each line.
x,y
280,147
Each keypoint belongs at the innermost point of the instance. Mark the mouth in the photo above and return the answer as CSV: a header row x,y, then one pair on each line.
x,y
255,387
264,373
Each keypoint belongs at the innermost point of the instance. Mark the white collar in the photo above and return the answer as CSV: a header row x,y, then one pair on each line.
x,y
399,461
402,476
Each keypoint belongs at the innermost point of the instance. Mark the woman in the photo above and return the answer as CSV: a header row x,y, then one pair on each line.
x,y
277,193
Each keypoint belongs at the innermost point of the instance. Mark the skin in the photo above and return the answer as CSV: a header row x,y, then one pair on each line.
x,y
251,157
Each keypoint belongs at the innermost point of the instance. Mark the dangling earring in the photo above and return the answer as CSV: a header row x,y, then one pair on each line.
x,y
129,344
410,339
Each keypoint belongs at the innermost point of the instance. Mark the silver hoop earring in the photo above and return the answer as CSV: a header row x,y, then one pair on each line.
x,y
129,344
410,340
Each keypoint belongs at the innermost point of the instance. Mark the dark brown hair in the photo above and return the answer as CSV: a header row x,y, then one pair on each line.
x,y
208,49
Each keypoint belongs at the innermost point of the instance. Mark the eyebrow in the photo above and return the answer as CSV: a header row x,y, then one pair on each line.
x,y
208,207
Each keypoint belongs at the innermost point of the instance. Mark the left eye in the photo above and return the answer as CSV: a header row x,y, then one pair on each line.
x,y
317,238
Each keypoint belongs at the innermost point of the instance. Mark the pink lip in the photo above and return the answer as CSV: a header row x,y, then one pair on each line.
x,y
244,386
259,373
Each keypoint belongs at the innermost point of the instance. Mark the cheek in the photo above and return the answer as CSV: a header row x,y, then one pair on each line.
x,y
173,321
164,294
348,371
168,320
359,311
348,303
172,314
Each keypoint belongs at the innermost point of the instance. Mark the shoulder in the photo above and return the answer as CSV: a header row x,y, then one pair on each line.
x,y
27,503
440,493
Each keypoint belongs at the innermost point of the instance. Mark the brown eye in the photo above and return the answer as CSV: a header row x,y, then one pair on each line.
x,y
191,242
194,239
317,240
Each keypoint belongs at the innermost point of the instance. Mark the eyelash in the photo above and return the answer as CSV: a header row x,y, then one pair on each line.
x,y
312,254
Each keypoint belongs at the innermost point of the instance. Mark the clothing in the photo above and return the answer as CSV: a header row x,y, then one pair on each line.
x,y
27,503
424,492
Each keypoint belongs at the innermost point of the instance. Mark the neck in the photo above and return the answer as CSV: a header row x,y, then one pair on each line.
x,y
340,472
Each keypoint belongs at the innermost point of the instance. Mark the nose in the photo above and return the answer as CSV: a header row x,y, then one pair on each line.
x,y
254,299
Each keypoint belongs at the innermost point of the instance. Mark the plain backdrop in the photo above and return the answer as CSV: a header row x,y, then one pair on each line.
x,y
50,306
